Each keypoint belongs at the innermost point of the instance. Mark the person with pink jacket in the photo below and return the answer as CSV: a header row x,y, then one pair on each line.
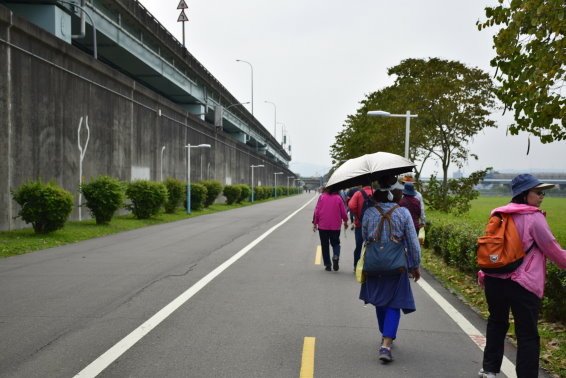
x,y
520,291
329,214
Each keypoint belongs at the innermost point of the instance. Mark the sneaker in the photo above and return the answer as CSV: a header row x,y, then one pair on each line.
x,y
327,268
335,263
486,374
385,355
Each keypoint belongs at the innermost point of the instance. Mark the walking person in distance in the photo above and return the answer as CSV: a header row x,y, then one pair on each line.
x,y
329,214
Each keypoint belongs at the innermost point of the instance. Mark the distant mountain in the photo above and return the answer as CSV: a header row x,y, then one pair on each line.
x,y
308,169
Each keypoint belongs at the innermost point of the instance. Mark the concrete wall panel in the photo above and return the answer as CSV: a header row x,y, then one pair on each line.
x,y
46,86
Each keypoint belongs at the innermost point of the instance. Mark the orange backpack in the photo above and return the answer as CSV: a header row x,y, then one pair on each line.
x,y
500,250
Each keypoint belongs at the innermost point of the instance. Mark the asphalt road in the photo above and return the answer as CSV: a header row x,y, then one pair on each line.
x,y
62,308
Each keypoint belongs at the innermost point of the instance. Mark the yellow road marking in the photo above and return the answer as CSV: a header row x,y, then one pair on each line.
x,y
307,363
318,256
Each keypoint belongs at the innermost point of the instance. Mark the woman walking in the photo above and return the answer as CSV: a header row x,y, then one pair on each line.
x,y
520,291
329,214
390,293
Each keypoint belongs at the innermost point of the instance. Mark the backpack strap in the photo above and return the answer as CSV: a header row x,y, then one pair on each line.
x,y
384,217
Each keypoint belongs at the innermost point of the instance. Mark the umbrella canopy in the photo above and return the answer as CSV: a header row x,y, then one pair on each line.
x,y
365,169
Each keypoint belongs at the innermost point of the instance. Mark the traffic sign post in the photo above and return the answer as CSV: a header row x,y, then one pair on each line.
x,y
183,17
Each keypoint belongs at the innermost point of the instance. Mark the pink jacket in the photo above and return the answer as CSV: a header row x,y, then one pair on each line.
x,y
533,227
330,212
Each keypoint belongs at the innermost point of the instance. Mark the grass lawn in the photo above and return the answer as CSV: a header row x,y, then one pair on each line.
x,y
553,336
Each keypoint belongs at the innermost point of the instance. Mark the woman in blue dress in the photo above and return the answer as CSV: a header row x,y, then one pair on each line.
x,y
391,294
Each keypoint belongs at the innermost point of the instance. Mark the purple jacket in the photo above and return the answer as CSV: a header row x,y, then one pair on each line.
x,y
330,212
533,227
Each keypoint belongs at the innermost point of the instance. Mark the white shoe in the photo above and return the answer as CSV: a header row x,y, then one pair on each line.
x,y
486,374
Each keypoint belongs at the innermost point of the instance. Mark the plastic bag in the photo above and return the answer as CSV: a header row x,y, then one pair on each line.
x,y
360,276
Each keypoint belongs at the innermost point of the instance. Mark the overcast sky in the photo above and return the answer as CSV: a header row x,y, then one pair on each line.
x,y
317,59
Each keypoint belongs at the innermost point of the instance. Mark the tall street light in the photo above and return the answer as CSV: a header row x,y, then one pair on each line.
x,y
161,167
407,116
275,182
289,177
275,119
282,132
252,71
254,166
188,146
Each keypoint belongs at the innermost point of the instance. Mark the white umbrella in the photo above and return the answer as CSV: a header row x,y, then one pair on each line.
x,y
365,169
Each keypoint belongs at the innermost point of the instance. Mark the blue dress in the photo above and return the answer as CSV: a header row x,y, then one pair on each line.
x,y
392,291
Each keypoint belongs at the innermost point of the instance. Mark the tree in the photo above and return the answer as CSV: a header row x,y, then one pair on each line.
x,y
453,103
362,135
530,62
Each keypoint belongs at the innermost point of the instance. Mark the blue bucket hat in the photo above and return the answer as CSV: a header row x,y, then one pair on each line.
x,y
409,189
526,182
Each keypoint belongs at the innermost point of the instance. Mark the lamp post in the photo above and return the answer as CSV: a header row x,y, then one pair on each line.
x,y
407,116
275,119
282,132
252,71
275,182
161,165
188,146
289,177
254,166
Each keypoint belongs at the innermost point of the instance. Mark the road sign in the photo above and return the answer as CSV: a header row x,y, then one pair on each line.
x,y
182,17
182,5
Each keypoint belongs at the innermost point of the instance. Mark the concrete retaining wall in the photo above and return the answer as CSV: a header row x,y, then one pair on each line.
x,y
47,86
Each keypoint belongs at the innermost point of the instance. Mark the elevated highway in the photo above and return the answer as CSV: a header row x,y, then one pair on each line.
x,y
130,39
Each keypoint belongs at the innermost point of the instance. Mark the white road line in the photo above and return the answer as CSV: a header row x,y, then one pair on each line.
x,y
102,362
477,337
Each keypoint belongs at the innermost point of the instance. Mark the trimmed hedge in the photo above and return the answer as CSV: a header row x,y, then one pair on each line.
x,y
147,198
45,206
198,196
232,193
103,197
455,242
213,190
245,193
175,193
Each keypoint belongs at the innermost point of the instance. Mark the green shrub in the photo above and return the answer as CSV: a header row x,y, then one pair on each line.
x,y
554,302
104,196
213,190
175,194
281,191
147,198
198,196
232,193
45,206
259,193
245,193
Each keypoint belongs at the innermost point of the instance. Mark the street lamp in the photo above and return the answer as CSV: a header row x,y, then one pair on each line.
x,y
289,177
254,166
275,121
275,182
407,116
252,71
188,146
161,168
282,132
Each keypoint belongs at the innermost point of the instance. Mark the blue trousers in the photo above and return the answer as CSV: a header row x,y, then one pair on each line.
x,y
388,321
